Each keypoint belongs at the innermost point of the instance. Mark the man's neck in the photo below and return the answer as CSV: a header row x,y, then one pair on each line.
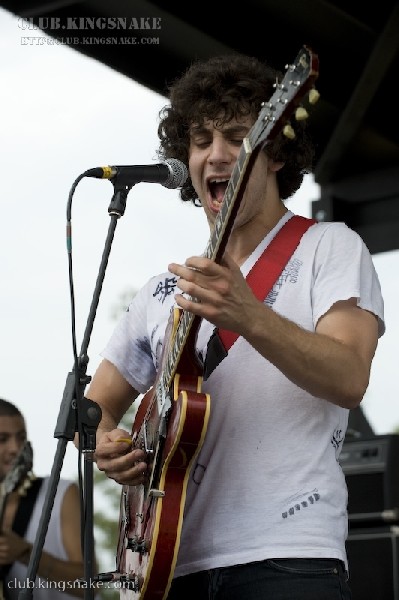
x,y
246,238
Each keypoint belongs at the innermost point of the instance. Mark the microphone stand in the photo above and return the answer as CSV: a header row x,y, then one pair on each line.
x,y
79,414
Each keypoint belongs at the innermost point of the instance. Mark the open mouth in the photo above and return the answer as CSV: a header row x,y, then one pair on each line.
x,y
217,189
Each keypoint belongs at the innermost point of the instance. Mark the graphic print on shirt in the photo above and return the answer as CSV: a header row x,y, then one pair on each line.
x,y
307,502
141,350
289,275
165,289
198,473
337,438
158,354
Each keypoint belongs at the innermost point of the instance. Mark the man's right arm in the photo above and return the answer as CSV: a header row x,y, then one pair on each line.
x,y
110,390
114,455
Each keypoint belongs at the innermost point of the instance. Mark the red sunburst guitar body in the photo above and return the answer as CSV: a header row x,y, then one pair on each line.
x,y
171,430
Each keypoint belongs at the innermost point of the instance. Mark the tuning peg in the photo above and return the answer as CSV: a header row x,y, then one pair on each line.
x,y
289,132
313,96
301,113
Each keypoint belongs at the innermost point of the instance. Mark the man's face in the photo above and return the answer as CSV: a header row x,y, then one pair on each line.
x,y
213,153
12,439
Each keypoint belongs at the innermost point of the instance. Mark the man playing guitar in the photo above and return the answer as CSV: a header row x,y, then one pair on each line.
x,y
263,493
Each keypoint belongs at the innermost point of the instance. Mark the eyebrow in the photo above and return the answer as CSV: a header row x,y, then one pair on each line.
x,y
233,129
13,433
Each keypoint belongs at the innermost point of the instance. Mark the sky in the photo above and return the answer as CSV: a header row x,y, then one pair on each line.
x,y
63,113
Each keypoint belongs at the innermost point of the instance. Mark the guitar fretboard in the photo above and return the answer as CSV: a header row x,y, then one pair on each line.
x,y
214,249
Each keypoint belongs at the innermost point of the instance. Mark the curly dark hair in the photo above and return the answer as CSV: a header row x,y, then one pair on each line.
x,y
220,89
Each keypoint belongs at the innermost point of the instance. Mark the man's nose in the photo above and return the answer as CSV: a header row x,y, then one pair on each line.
x,y
219,151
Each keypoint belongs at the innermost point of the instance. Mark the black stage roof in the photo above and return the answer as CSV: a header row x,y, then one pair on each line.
x,y
354,124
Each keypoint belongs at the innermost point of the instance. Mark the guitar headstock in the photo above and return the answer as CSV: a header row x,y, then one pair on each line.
x,y
287,100
20,469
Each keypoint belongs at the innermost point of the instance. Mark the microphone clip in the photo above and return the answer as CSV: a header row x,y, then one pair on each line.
x,y
122,186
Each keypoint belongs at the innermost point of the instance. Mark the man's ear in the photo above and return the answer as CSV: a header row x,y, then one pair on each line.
x,y
275,165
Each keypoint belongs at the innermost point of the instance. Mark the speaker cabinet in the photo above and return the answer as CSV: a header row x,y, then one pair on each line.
x,y
373,556
371,471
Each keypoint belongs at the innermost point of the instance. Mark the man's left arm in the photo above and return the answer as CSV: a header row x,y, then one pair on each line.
x,y
333,362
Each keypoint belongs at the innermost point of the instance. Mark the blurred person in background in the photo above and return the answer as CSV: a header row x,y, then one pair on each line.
x,y
61,561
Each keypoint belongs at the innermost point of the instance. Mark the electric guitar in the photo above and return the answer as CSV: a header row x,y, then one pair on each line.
x,y
172,418
15,478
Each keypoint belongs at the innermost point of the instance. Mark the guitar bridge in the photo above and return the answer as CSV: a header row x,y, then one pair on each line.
x,y
136,545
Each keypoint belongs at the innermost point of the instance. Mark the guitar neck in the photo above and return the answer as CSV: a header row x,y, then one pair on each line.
x,y
189,323
18,474
231,201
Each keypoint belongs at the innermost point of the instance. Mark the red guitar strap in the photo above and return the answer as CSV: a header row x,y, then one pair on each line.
x,y
261,279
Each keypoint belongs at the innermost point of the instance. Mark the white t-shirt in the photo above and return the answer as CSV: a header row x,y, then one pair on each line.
x,y
267,482
16,580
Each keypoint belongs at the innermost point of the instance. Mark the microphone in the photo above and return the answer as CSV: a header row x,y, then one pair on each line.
x,y
171,173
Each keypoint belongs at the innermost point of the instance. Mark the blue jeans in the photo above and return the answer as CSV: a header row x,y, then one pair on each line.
x,y
272,579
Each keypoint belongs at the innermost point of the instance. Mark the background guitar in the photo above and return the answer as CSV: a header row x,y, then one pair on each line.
x,y
18,476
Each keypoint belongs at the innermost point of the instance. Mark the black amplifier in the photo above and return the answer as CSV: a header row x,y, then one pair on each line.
x,y
373,556
371,468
